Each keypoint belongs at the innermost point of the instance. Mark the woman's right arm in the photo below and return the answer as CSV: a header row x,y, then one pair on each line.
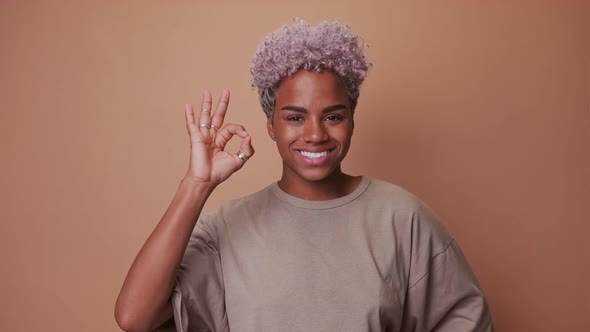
x,y
144,300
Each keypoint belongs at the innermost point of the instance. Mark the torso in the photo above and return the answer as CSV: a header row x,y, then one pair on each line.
x,y
332,266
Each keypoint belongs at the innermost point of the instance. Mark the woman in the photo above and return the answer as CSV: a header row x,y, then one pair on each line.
x,y
319,250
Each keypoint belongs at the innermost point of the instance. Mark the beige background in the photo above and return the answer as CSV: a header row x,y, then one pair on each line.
x,y
480,108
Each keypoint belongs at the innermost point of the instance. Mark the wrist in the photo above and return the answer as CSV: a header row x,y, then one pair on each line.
x,y
197,185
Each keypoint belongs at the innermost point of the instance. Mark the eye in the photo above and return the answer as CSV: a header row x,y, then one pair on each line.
x,y
295,118
333,118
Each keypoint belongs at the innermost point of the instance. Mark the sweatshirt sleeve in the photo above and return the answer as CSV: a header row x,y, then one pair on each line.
x,y
198,297
443,293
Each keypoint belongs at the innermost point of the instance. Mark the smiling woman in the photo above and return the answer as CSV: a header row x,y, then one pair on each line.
x,y
318,250
312,125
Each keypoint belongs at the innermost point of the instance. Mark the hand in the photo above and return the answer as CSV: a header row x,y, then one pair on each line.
x,y
209,163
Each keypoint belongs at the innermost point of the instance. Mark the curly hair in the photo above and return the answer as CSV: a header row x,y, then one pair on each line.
x,y
330,46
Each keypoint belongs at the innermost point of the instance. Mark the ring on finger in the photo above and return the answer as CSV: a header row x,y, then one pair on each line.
x,y
243,156
205,110
202,125
214,127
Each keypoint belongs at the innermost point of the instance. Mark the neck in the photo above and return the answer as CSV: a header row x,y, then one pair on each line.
x,y
336,185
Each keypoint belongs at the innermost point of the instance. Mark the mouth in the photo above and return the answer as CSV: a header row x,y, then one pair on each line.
x,y
314,155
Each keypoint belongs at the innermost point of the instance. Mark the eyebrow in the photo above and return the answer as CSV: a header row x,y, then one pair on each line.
x,y
300,109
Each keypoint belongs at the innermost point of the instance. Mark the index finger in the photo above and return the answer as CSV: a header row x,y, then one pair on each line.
x,y
221,109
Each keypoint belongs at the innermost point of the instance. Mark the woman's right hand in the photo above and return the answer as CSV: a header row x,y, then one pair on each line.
x,y
209,163
144,300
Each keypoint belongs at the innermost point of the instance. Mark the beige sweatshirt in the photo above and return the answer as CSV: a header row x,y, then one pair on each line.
x,y
375,260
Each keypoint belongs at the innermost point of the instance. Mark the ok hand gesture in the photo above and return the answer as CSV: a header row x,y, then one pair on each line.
x,y
209,163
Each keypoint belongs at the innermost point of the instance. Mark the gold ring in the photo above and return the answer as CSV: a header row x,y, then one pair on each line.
x,y
243,156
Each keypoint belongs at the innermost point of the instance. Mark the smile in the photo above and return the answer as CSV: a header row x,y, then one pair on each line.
x,y
313,155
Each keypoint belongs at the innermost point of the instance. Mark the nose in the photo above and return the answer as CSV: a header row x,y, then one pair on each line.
x,y
315,132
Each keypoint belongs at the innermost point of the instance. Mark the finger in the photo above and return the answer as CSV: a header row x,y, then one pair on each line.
x,y
246,146
246,151
221,109
205,114
189,115
227,132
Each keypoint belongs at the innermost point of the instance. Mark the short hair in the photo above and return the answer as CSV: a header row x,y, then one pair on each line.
x,y
331,46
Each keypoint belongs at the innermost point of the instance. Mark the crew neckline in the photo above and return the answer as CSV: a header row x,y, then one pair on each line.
x,y
320,205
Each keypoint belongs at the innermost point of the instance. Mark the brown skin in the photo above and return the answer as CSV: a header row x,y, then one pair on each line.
x,y
312,113
144,301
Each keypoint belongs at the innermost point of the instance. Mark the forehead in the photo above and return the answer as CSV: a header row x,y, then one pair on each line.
x,y
306,88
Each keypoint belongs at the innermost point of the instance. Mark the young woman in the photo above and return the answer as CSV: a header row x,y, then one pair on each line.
x,y
319,250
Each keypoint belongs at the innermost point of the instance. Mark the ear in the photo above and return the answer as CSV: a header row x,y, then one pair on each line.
x,y
270,128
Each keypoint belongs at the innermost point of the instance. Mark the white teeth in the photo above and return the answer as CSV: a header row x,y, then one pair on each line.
x,y
314,155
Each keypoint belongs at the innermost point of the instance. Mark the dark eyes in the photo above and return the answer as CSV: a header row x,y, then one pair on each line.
x,y
329,118
333,117
295,118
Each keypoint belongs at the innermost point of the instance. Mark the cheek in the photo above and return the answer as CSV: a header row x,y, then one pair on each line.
x,y
344,134
287,133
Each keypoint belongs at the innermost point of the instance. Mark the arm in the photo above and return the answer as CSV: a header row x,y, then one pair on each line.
x,y
448,298
144,300
443,293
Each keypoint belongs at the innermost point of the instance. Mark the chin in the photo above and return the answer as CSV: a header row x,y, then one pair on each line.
x,y
317,175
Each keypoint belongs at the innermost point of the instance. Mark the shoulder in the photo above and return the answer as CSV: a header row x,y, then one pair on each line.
x,y
241,206
392,194
412,213
397,198
252,201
